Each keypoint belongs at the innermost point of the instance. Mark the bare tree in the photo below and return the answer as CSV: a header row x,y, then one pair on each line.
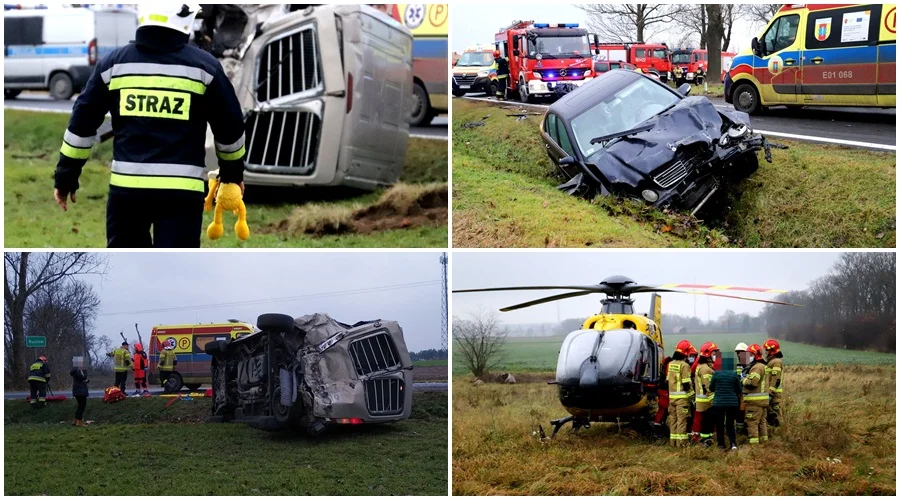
x,y
730,14
479,341
759,14
715,32
628,22
25,275
692,21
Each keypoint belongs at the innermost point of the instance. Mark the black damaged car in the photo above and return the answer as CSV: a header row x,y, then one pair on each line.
x,y
630,135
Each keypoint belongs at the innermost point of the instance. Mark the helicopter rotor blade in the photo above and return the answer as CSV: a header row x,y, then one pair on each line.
x,y
721,287
544,300
730,297
588,288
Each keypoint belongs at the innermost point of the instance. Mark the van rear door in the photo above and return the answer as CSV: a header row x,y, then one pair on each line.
x,y
840,59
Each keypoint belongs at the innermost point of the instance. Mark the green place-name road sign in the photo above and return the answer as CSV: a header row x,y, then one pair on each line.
x,y
35,341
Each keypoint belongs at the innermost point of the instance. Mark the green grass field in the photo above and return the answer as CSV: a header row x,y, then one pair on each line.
x,y
431,362
137,445
540,354
32,218
838,438
812,195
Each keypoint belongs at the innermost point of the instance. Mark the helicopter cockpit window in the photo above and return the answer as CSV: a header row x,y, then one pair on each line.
x,y
618,308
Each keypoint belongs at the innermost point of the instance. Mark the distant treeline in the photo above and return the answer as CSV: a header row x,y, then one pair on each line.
x,y
428,354
853,307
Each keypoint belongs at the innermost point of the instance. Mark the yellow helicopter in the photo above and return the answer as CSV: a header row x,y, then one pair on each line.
x,y
609,369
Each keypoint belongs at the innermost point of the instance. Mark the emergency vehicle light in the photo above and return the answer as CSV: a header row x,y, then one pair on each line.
x,y
569,25
541,25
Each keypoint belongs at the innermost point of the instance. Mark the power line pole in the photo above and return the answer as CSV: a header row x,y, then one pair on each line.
x,y
444,301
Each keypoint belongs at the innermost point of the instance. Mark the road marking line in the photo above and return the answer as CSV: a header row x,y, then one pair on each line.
x,y
433,137
841,142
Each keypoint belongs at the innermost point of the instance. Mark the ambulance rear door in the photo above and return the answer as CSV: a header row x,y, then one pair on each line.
x,y
840,58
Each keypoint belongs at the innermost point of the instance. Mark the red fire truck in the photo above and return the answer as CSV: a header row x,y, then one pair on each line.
x,y
690,65
649,57
545,60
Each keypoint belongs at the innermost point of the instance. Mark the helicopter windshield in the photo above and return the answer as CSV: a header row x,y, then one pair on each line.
x,y
621,355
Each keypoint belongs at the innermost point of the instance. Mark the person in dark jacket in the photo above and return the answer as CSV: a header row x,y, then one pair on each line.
x,y
38,378
726,406
79,389
160,92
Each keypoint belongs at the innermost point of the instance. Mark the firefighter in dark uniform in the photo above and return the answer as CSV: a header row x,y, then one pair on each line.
x,y
161,93
38,377
501,66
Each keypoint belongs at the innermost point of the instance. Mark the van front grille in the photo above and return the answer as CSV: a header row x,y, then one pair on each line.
x,y
289,65
287,139
374,354
384,396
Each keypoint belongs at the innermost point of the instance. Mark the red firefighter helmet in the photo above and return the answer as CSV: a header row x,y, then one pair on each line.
x,y
496,54
684,347
707,349
772,345
43,358
756,351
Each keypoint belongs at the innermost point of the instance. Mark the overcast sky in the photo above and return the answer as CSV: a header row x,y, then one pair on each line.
x,y
783,270
473,24
142,281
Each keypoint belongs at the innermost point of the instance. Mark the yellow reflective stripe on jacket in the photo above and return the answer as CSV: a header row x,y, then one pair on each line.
x,y
73,152
236,155
154,17
756,396
156,182
156,82
778,389
37,379
678,437
704,398
679,395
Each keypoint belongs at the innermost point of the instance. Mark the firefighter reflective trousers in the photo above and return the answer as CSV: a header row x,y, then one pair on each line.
x,y
757,430
679,411
38,393
121,380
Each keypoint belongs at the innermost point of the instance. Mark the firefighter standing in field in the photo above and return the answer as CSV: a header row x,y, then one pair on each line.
x,y
167,362
161,93
38,378
742,360
703,419
140,364
678,379
121,365
501,66
775,367
756,396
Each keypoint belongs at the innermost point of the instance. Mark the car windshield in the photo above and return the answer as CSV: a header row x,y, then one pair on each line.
x,y
601,67
622,111
559,46
476,59
681,58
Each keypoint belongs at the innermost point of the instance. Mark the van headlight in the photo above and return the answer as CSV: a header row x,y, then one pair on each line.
x,y
650,195
482,74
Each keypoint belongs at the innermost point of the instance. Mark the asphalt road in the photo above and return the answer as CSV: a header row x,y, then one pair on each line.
x,y
859,125
417,386
35,101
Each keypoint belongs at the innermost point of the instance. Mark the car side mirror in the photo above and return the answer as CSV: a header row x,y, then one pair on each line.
x,y
754,45
567,160
684,89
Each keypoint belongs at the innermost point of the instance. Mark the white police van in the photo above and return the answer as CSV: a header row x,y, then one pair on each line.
x,y
56,49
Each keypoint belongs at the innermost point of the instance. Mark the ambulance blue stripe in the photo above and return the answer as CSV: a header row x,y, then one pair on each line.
x,y
56,50
855,55
430,48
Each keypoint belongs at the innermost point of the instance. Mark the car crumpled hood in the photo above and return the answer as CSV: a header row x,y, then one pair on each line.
x,y
693,121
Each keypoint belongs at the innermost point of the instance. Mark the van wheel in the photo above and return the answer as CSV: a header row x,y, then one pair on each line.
x,y
174,383
746,99
422,113
61,87
192,387
11,93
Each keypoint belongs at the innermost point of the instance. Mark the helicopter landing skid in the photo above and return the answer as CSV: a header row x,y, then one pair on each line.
x,y
576,424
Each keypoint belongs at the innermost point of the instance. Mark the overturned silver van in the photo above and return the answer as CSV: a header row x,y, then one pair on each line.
x,y
326,93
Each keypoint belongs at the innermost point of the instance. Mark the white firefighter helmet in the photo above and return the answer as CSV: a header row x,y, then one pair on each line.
x,y
740,347
177,16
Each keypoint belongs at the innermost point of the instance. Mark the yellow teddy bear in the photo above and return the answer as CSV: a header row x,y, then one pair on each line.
x,y
228,197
